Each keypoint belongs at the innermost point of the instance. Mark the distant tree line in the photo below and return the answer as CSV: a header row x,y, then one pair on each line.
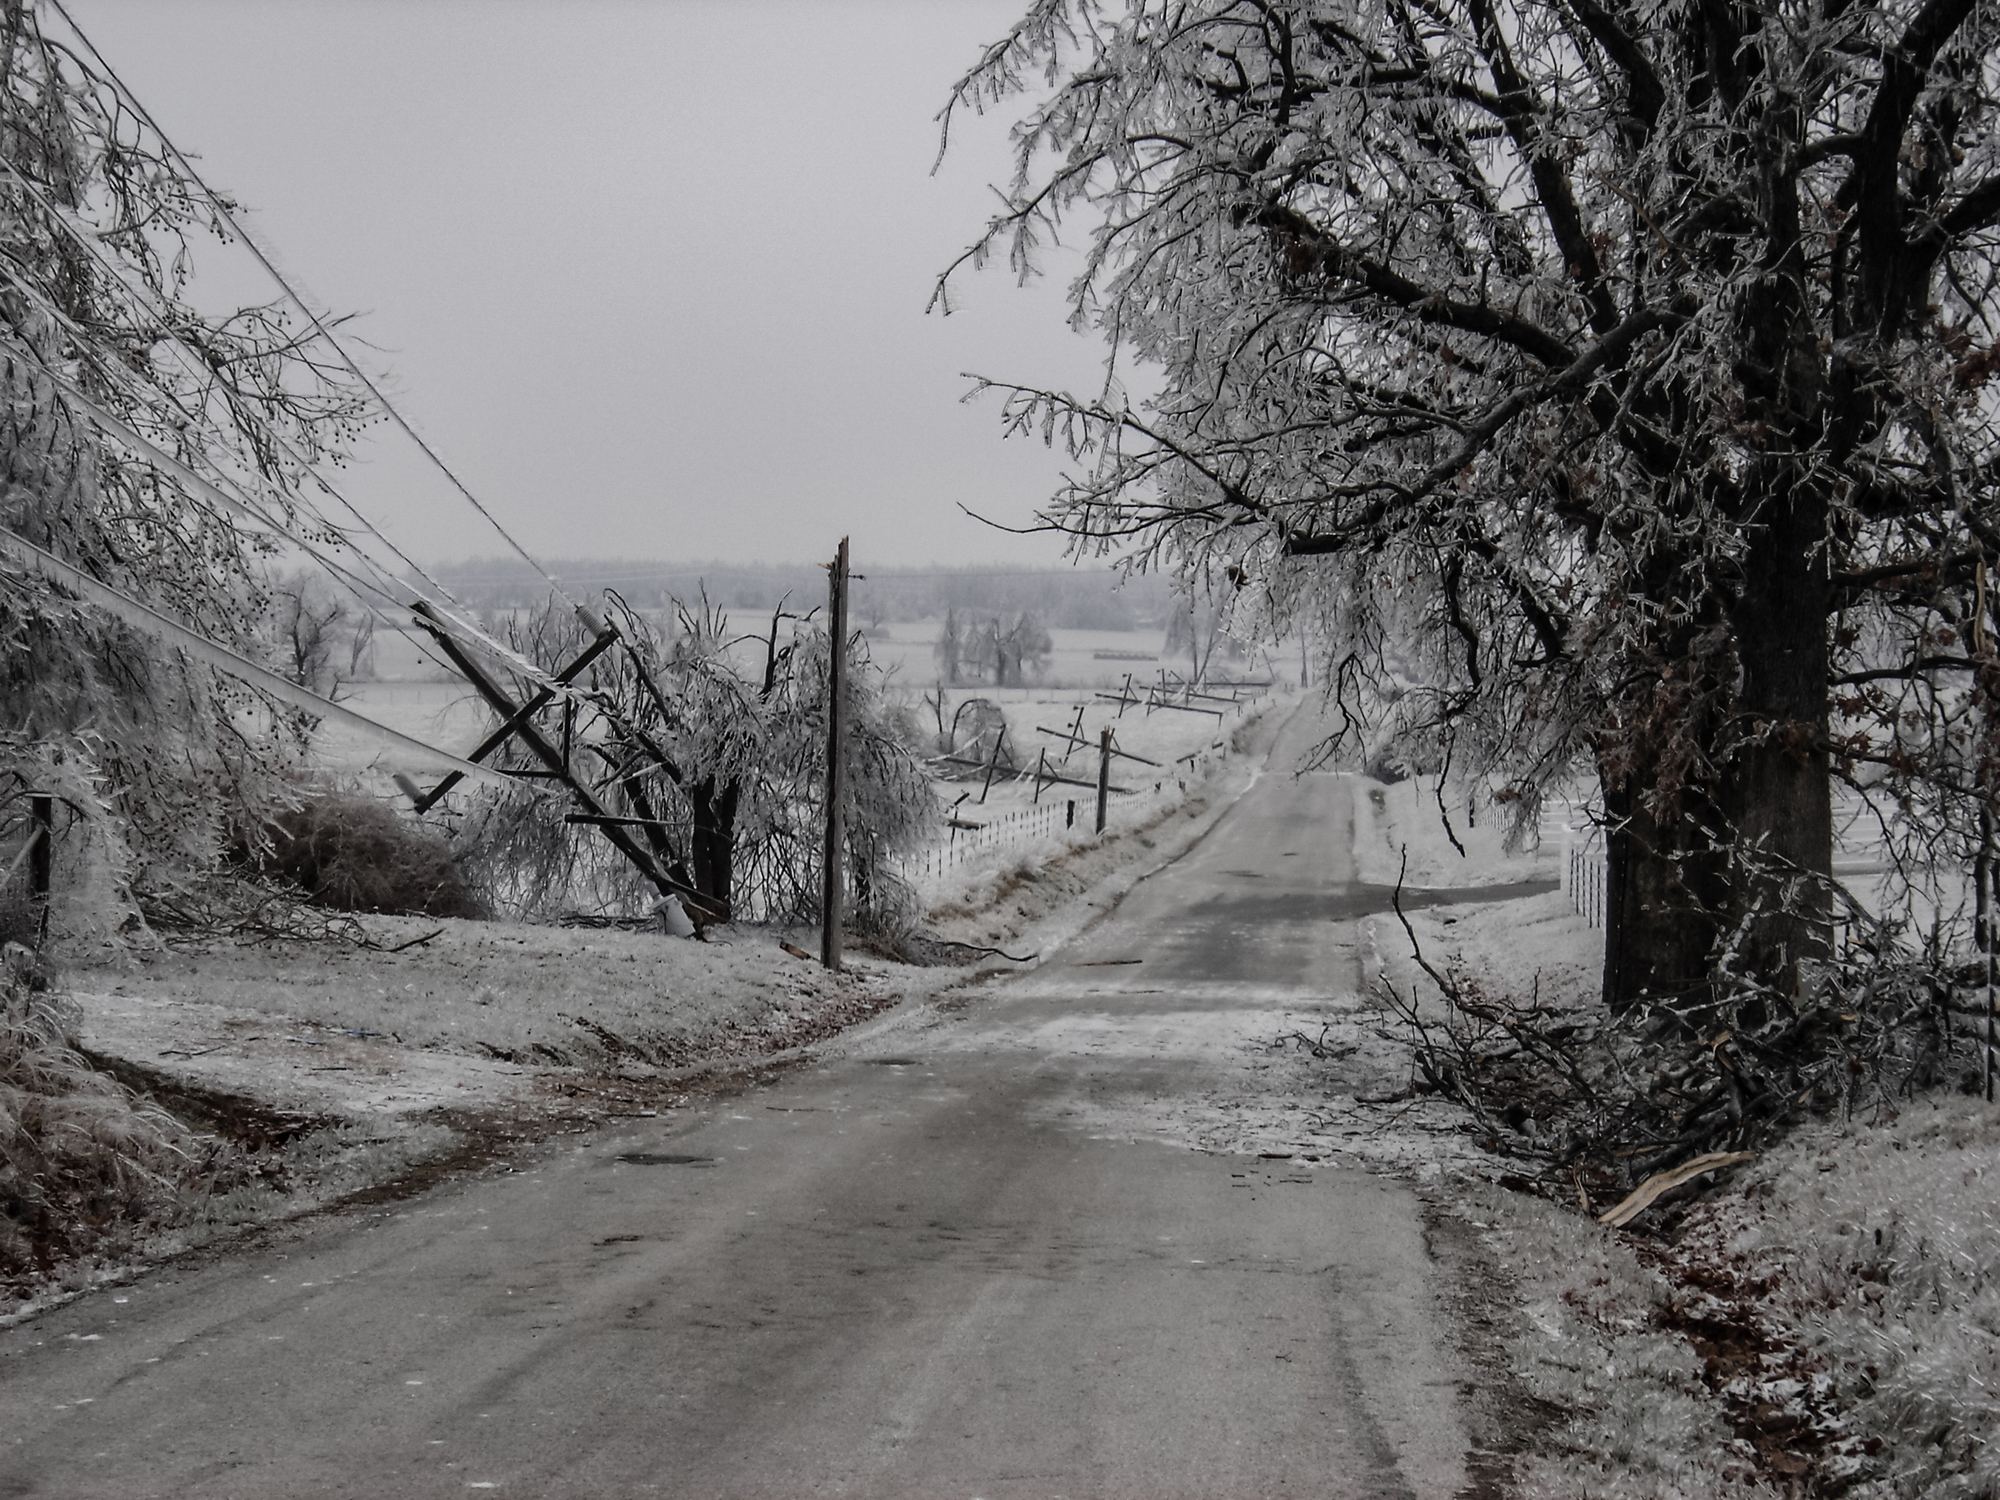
x,y
1061,598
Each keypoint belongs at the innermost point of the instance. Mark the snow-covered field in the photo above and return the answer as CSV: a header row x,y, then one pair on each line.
x,y
1079,658
412,695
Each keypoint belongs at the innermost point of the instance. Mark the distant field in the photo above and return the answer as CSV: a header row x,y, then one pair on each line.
x,y
1075,663
412,695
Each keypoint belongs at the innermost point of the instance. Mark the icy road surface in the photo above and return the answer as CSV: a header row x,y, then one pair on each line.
x,y
969,1258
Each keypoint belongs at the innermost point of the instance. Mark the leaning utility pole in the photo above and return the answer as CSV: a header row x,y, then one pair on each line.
x,y
836,692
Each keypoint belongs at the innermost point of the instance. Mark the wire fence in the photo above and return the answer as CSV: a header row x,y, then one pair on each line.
x,y
969,837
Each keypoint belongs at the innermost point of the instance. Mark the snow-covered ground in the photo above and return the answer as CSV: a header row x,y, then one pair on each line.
x,y
348,1067
1827,1314
472,1014
1863,1250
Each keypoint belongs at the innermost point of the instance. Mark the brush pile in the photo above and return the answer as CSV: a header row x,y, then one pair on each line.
x,y
1593,1105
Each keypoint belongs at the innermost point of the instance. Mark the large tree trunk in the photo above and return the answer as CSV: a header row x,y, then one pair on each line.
x,y
1778,793
1662,889
713,839
1666,893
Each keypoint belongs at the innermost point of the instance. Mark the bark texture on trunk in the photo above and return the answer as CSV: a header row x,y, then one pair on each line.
x,y
713,838
1778,792
1666,896
1662,892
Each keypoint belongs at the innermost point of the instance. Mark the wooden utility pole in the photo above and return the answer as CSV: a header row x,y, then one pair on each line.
x,y
836,706
1103,775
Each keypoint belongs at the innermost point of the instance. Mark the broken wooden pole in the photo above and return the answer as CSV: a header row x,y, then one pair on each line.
x,y
551,758
425,801
993,764
1125,754
1071,740
1075,738
1052,778
836,683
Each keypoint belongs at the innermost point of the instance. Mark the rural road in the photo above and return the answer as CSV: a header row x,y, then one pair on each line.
x,y
942,1265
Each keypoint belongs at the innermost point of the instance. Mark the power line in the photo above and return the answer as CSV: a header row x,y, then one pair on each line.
x,y
719,571
222,208
144,618
150,307
471,636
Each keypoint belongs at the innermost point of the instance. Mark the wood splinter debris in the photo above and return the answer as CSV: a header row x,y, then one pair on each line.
x,y
1642,1197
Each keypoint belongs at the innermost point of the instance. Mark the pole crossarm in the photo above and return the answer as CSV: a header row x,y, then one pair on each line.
x,y
1127,754
607,822
512,725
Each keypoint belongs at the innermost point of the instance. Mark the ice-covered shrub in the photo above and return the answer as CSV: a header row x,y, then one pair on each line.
x,y
351,853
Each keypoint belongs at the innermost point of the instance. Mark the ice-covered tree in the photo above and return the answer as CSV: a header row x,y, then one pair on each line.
x,y
157,447
1008,650
1625,362
721,770
322,638
950,648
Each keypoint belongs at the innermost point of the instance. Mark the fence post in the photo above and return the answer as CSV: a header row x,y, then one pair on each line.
x,y
41,863
829,908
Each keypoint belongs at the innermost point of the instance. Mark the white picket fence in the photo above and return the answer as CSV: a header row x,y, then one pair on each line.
x,y
1584,878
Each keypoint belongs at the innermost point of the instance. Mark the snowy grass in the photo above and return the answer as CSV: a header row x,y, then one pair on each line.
x,y
1867,1253
545,996
314,1170
1636,1420
1878,1245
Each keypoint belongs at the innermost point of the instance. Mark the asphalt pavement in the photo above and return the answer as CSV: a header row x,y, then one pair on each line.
x,y
931,1267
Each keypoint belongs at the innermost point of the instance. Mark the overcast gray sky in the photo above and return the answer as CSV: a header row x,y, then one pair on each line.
x,y
650,273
